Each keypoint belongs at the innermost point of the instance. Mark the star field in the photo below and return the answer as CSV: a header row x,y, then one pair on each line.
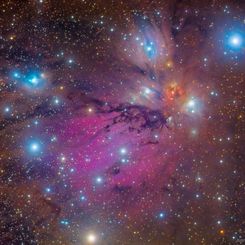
x,y
122,122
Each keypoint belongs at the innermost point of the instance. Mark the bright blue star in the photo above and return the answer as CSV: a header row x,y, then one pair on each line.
x,y
236,40
56,101
33,80
15,74
64,222
53,138
161,215
36,122
123,151
147,91
7,109
99,180
70,61
123,160
83,198
48,189
34,147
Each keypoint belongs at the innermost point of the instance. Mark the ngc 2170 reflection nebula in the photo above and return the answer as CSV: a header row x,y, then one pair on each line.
x,y
122,122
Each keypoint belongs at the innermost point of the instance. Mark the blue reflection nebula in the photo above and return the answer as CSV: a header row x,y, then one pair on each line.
x,y
34,80
150,49
31,79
